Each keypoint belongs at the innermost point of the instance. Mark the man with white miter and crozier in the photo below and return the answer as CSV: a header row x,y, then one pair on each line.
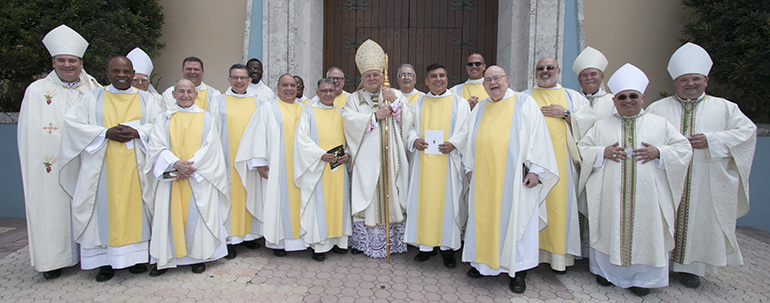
x,y
41,119
634,165
185,157
372,114
717,189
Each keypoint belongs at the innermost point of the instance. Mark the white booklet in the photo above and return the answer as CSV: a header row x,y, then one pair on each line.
x,y
434,138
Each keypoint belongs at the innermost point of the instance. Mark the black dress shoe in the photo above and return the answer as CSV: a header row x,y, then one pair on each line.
x,y
602,281
518,283
355,251
198,268
474,273
105,273
137,269
338,250
279,252
320,257
157,272
53,274
689,280
423,256
640,291
449,258
251,244
231,252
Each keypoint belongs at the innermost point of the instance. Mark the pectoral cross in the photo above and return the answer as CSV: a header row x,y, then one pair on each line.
x,y
50,128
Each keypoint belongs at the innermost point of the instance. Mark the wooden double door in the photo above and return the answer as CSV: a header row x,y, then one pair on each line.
x,y
418,32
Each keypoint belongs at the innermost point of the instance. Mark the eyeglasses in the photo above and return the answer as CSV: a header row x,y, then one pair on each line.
x,y
326,91
690,79
406,75
254,68
300,84
240,78
588,75
496,79
542,68
338,78
474,63
632,96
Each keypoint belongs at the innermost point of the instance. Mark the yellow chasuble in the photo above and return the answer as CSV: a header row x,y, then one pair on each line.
x,y
239,111
290,113
436,114
330,135
184,133
340,100
489,177
124,193
413,98
474,90
553,236
202,100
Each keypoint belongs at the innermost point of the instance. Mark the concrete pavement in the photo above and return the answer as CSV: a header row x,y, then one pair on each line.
x,y
257,275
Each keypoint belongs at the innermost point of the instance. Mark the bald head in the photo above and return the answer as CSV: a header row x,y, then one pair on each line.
x,y
496,82
547,72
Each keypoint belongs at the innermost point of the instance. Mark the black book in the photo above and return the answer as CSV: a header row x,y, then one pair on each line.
x,y
338,151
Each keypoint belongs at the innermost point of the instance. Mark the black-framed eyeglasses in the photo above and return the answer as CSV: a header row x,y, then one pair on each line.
x,y
632,96
477,63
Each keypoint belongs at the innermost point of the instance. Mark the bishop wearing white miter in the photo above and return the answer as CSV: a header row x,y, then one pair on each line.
x,y
716,192
589,67
634,166
39,132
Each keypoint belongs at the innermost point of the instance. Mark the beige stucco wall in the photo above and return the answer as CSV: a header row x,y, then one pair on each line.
x,y
210,30
643,33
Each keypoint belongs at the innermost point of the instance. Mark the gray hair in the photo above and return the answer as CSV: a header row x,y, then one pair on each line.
x,y
325,80
334,68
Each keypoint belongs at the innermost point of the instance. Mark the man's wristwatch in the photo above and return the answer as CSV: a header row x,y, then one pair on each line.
x,y
566,113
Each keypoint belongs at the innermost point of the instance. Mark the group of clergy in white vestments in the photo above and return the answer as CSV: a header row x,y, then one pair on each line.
x,y
131,177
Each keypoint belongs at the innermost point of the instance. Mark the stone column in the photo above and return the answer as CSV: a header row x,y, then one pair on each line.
x,y
293,41
527,31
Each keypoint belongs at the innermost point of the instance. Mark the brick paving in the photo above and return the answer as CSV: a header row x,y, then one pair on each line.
x,y
258,276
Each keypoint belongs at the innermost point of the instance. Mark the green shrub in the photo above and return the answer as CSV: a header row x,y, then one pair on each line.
x,y
111,28
737,36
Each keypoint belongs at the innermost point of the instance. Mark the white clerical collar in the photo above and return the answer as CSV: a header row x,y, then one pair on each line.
x,y
508,94
557,86
414,91
371,93
192,109
230,92
71,84
256,84
201,87
598,93
444,94
475,81
321,105
114,90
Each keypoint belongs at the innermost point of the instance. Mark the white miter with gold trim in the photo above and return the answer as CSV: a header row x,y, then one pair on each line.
x,y
370,56
689,59
63,40
628,77
589,58
141,61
